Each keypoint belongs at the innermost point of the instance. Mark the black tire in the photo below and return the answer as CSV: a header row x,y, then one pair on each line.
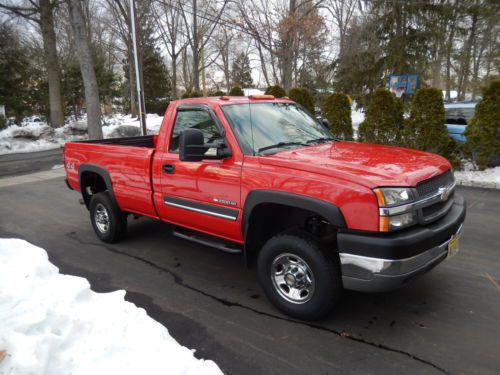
x,y
117,220
325,271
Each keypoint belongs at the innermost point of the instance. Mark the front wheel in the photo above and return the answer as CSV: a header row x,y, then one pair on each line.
x,y
110,224
298,277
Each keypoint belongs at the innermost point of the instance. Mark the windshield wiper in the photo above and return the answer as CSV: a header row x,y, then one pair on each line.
x,y
280,145
321,140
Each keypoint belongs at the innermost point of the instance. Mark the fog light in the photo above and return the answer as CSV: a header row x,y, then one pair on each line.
x,y
403,220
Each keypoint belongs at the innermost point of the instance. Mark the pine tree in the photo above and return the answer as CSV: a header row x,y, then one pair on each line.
x,y
483,131
336,109
14,73
156,80
384,119
276,91
241,71
236,91
426,130
302,96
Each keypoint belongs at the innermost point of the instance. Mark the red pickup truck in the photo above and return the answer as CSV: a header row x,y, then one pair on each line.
x,y
262,177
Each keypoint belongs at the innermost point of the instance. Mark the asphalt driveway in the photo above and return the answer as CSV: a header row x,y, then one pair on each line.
x,y
445,322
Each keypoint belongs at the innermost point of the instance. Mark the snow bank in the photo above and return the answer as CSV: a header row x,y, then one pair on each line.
x,y
489,178
357,117
54,324
38,136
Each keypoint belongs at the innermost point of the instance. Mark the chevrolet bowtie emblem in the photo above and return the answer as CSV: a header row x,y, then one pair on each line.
x,y
444,192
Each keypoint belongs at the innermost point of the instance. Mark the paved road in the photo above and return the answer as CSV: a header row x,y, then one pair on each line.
x,y
445,322
24,163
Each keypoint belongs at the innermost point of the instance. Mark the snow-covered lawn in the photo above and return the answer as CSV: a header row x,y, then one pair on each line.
x,y
55,324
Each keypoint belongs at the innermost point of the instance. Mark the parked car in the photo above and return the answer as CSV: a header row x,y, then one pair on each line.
x,y
261,177
457,117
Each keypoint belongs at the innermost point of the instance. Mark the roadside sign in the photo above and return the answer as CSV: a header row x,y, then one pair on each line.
x,y
400,84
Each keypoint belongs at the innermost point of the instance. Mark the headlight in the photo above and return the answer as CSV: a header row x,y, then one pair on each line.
x,y
391,197
388,197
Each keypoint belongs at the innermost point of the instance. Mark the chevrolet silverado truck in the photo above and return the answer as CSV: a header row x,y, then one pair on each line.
x,y
261,177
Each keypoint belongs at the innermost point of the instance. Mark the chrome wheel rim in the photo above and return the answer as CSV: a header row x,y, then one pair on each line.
x,y
292,278
101,218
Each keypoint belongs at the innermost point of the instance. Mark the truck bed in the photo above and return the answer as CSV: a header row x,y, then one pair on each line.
x,y
126,160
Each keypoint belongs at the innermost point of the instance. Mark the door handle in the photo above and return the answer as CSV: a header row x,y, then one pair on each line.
x,y
168,168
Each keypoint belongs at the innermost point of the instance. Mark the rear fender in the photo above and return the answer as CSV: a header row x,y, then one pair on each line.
x,y
98,170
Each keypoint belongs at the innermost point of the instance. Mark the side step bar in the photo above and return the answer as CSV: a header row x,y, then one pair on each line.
x,y
206,240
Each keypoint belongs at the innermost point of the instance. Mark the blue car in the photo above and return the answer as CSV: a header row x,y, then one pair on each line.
x,y
457,116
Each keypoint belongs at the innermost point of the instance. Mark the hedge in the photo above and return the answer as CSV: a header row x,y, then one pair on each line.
x,y
483,131
303,97
426,130
191,94
236,91
336,109
276,91
384,119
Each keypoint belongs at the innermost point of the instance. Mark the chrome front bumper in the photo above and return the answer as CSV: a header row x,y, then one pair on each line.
x,y
369,274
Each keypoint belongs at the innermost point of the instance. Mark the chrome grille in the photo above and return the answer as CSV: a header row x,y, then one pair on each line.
x,y
431,185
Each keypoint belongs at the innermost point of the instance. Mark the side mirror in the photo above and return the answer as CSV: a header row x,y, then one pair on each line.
x,y
192,145
326,123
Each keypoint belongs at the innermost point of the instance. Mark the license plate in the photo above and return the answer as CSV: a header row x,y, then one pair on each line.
x,y
453,245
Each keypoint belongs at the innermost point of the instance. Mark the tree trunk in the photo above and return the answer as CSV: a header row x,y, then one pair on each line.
x,y
263,64
449,51
196,51
87,70
465,68
174,75
52,63
288,49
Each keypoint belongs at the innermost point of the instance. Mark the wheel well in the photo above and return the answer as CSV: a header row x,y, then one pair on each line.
x,y
269,219
91,183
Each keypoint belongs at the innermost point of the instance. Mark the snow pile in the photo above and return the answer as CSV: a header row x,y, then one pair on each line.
x,y
489,178
54,324
34,136
357,117
112,123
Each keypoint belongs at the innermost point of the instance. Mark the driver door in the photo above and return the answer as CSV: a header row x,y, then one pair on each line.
x,y
201,195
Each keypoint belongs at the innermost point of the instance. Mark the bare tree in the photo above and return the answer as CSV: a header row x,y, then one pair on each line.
x,y
223,41
41,13
169,22
200,25
87,68
342,12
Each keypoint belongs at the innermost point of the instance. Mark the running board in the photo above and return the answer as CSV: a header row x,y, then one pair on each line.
x,y
207,241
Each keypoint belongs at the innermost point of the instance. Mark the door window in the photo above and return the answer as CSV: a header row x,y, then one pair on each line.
x,y
194,119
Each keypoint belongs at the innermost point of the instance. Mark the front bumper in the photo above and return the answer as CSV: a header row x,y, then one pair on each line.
x,y
378,262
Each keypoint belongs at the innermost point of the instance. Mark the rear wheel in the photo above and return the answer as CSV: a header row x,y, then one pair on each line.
x,y
110,224
298,277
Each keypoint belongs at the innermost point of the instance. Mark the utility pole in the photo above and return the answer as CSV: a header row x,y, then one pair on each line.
x,y
138,76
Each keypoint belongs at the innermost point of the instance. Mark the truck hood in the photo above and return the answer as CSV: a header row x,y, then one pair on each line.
x,y
367,164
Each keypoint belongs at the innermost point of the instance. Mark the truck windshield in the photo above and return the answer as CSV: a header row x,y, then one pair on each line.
x,y
267,128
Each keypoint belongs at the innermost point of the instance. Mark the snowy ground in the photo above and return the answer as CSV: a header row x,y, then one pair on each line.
x,y
55,324
38,136
489,178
